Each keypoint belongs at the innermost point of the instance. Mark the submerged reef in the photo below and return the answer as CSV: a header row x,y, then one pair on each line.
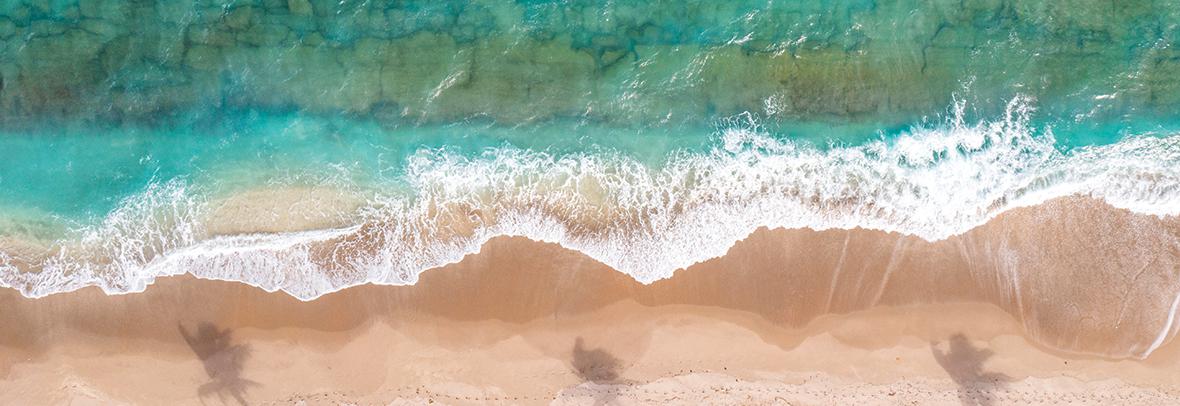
x,y
614,62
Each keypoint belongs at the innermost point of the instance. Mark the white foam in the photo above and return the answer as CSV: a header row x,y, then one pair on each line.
x,y
113,254
646,222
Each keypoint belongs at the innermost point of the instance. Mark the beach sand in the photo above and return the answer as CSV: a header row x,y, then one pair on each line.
x,y
788,316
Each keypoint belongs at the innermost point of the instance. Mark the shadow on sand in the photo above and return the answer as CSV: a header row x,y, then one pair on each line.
x,y
223,361
597,366
964,363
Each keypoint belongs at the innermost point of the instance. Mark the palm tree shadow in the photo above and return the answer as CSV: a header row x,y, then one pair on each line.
x,y
597,366
223,360
964,363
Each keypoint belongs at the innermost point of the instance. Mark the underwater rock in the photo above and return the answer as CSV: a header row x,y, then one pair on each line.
x,y
301,7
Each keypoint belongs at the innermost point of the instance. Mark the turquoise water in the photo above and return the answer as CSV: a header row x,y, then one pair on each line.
x,y
81,174
618,62
619,128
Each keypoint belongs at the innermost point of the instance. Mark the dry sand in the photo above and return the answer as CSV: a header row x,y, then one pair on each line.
x,y
788,316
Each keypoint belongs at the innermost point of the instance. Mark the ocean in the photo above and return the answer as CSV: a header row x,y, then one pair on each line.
x,y
310,146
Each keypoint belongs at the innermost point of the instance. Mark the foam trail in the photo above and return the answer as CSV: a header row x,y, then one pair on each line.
x,y
1167,331
933,182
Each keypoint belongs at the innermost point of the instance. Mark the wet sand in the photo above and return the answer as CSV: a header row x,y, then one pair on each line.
x,y
798,316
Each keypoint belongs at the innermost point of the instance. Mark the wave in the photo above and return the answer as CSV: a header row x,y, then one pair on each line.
x,y
932,182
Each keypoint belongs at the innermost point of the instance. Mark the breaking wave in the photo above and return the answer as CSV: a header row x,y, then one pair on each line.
x,y
932,182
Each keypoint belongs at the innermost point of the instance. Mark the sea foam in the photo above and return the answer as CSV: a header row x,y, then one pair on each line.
x,y
932,182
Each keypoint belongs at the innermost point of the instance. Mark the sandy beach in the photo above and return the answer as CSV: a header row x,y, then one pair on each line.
x,y
524,322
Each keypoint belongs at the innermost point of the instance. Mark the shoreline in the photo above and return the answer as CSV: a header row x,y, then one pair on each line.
x,y
1065,270
296,238
782,315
